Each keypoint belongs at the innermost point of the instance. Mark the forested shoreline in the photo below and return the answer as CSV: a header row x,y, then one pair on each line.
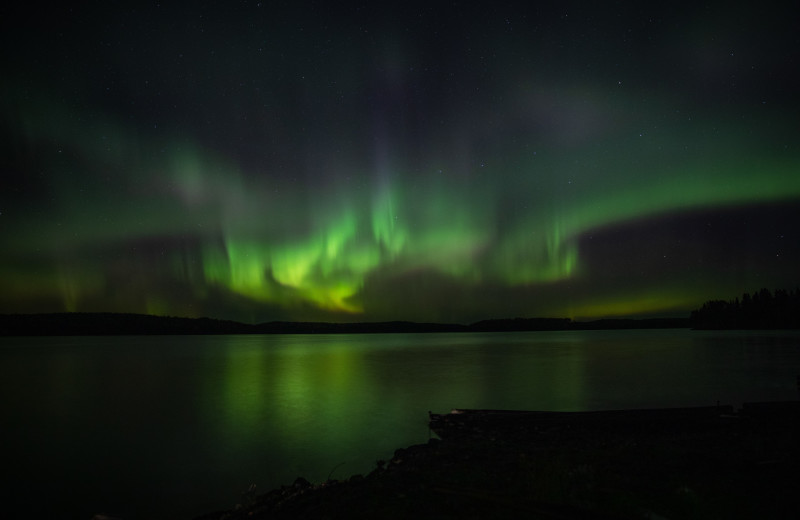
x,y
761,310
113,324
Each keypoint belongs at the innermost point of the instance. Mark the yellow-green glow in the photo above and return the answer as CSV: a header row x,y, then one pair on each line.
x,y
640,303
326,269
160,223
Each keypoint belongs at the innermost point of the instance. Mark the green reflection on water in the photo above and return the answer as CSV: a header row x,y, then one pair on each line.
x,y
295,390
190,422
244,387
333,392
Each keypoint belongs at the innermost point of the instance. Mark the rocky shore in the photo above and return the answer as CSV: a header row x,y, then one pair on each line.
x,y
739,464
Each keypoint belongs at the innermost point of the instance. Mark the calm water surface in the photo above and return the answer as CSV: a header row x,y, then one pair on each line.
x,y
173,427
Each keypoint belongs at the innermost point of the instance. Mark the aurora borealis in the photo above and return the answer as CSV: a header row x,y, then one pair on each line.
x,y
430,162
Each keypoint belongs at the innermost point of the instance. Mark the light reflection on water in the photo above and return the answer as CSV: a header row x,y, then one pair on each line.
x,y
175,426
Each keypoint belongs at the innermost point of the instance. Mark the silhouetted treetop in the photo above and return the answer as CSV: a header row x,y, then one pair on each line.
x,y
762,310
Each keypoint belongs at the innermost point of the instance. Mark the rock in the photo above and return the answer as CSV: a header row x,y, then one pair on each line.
x,y
301,483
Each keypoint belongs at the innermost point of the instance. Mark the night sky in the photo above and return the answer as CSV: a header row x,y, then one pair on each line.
x,y
432,162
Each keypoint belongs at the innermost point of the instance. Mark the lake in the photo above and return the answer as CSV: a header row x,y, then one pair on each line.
x,y
176,426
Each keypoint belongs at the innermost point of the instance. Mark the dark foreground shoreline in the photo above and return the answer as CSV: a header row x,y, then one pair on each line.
x,y
714,462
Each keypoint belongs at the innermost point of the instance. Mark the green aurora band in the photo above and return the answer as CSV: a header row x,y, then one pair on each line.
x,y
271,242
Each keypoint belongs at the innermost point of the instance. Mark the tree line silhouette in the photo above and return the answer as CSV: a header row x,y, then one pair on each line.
x,y
762,310
104,323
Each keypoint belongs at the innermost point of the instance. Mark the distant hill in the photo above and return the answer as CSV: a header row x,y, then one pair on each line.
x,y
100,324
107,323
